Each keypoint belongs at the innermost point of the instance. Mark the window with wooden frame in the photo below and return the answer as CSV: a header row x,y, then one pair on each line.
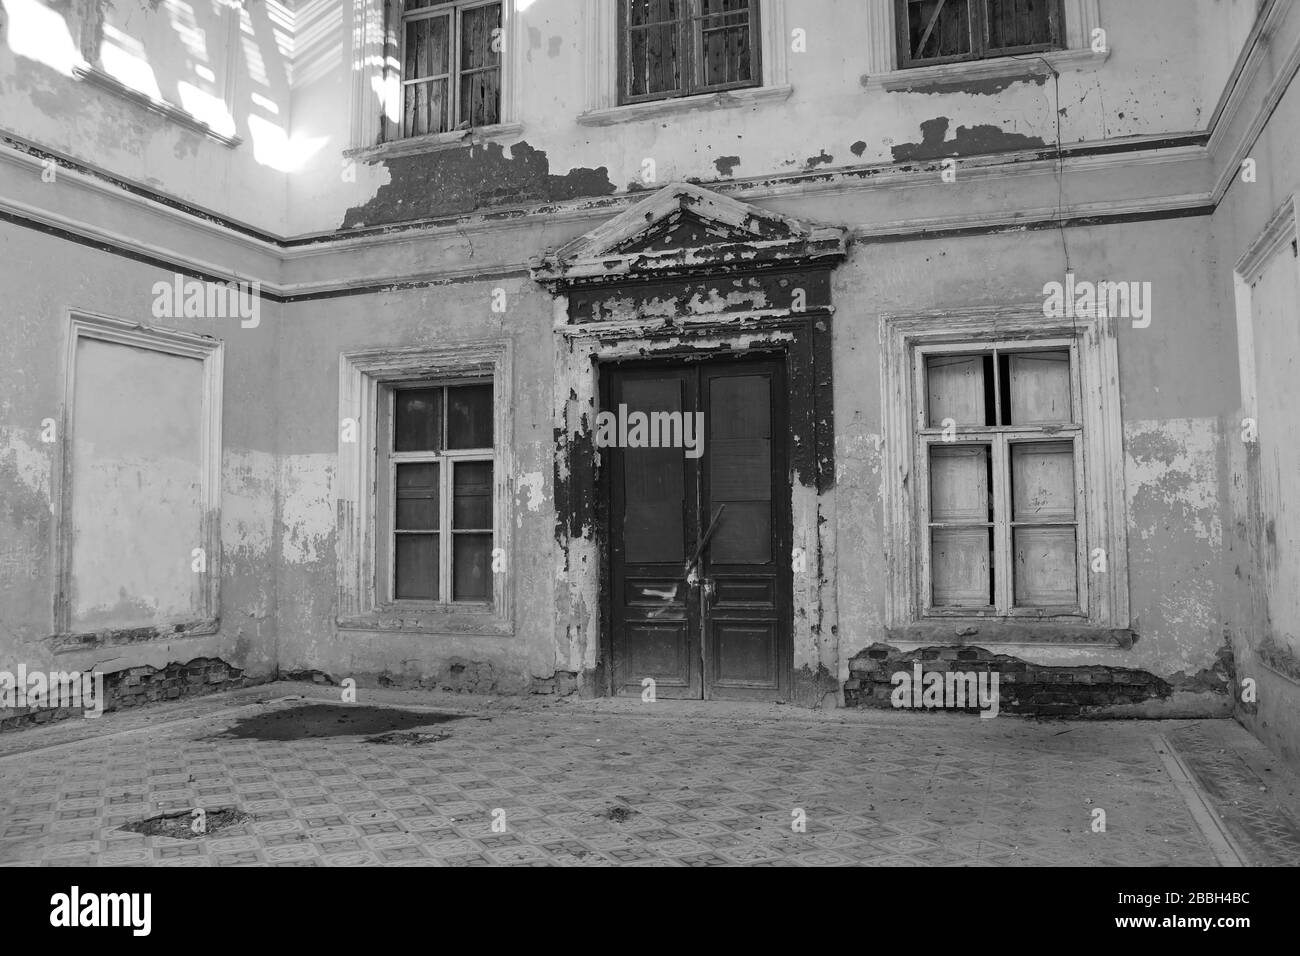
x,y
671,48
950,31
451,65
1000,440
435,493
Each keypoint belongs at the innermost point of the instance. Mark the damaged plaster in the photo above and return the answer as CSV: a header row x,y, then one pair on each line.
x,y
473,177
968,141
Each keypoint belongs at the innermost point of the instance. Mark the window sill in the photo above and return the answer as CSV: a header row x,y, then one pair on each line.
x,y
1004,631
983,76
172,112
434,142
728,99
484,623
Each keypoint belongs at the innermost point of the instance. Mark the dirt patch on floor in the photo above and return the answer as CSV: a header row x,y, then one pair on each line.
x,y
407,739
330,720
619,814
187,824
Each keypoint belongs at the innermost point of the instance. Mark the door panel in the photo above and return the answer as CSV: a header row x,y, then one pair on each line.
x,y
725,632
747,592
652,533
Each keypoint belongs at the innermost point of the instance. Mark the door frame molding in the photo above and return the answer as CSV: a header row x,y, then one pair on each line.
x,y
583,637
689,272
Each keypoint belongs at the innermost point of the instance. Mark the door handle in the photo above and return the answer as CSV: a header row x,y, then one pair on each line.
x,y
708,589
689,570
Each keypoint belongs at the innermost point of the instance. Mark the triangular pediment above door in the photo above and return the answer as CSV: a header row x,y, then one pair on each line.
x,y
683,229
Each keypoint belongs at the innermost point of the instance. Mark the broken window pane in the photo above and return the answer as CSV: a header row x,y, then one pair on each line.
x,y
938,28
428,63
469,416
1019,23
417,419
653,60
675,47
724,30
480,65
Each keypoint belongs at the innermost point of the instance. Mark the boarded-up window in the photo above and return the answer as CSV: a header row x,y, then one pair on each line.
x,y
946,31
680,47
439,484
1001,440
140,542
451,65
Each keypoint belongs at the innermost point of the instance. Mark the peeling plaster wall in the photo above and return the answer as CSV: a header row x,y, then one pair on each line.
x,y
312,336
279,524
1175,388
43,279
1263,534
1151,84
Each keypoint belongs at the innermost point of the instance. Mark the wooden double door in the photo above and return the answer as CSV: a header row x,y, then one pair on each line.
x,y
699,580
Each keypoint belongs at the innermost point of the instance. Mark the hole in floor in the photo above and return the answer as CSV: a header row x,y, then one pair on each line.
x,y
181,825
329,720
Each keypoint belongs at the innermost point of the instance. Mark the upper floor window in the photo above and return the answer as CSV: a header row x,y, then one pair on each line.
x,y
451,65
948,31
670,48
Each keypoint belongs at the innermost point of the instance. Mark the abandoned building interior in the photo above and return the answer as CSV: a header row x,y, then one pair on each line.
x,y
760,349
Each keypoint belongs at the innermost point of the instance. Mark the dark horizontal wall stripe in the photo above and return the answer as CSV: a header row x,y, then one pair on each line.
x,y
401,286
378,287
208,216
176,267
163,199
114,249
1037,225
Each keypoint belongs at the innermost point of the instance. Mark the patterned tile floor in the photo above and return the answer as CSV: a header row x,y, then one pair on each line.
x,y
601,783
1257,801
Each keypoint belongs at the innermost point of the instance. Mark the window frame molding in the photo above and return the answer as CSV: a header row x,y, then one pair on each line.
x,y
693,44
364,377
1000,439
1282,228
376,102
211,353
603,52
447,460
1082,17
1104,520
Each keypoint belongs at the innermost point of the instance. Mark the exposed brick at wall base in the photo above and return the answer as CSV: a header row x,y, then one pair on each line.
x,y
139,685
1023,688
